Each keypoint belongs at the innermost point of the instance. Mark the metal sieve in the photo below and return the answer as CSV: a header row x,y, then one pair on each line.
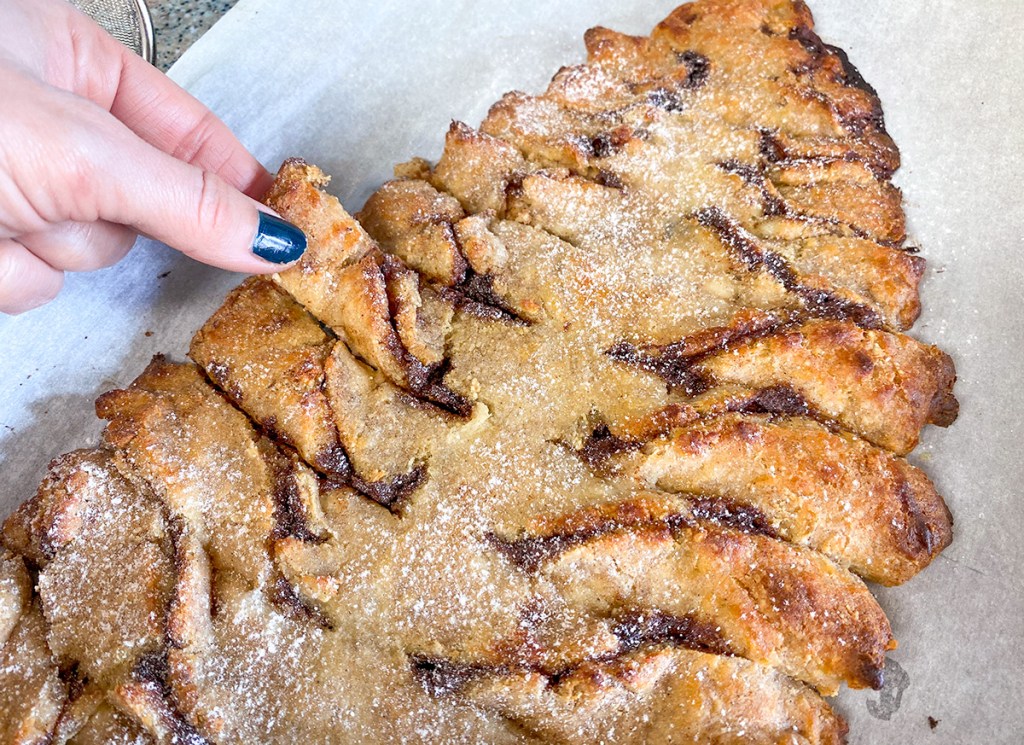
x,y
128,21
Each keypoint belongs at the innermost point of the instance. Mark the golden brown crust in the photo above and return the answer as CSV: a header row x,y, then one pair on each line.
x,y
476,168
306,389
202,458
884,387
61,508
885,278
352,288
181,397
335,238
388,434
632,116
417,228
105,589
867,509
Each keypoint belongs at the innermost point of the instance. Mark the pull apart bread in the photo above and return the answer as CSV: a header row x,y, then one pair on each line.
x,y
589,432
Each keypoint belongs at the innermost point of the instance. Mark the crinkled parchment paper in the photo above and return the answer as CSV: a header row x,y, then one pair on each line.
x,y
357,86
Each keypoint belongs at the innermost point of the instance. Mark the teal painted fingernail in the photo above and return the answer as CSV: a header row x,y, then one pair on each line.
x,y
278,240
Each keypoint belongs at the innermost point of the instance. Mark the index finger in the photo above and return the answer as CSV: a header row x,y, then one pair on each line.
x,y
152,105
172,120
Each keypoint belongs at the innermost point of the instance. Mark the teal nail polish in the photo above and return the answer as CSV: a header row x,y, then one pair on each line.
x,y
278,240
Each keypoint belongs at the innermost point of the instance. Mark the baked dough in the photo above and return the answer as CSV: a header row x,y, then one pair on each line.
x,y
588,432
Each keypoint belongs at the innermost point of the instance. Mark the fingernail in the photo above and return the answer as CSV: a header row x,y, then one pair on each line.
x,y
278,240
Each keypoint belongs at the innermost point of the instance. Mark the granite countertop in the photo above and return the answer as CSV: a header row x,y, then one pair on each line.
x,y
178,23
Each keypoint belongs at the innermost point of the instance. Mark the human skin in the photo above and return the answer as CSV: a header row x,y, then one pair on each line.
x,y
97,146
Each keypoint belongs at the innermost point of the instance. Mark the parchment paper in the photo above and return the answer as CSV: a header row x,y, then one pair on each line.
x,y
358,86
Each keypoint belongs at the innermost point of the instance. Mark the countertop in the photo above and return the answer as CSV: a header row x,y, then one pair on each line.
x,y
178,23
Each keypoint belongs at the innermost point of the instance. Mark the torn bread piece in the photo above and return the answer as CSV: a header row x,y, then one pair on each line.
x,y
371,300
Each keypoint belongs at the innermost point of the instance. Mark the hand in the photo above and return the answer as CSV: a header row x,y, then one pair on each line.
x,y
96,146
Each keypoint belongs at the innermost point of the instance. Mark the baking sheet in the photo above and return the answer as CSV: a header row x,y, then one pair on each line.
x,y
358,86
